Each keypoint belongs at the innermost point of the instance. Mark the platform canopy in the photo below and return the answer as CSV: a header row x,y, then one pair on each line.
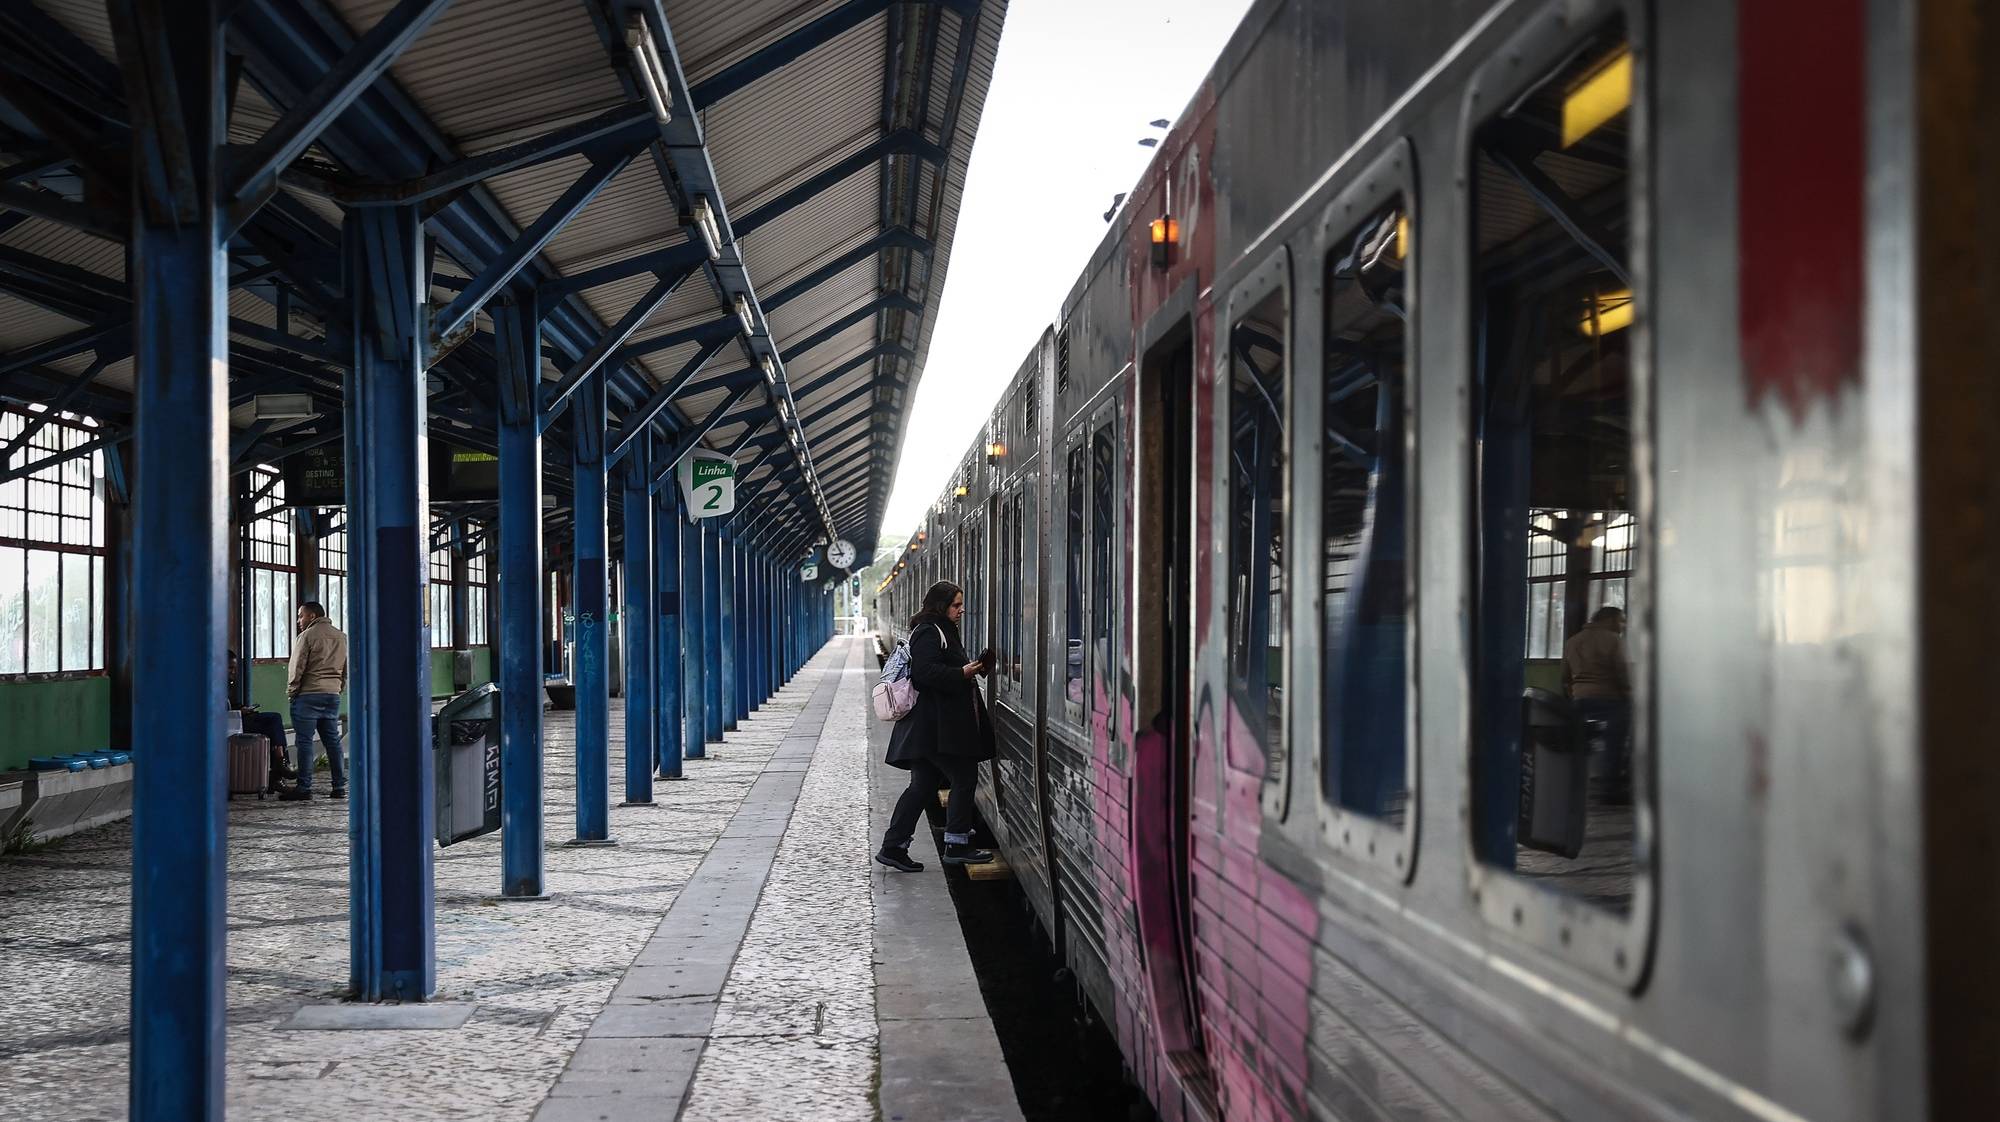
x,y
740,211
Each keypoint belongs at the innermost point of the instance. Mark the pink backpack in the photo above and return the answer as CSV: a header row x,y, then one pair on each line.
x,y
895,693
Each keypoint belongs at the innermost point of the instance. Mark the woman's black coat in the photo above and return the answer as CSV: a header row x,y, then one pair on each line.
x,y
950,718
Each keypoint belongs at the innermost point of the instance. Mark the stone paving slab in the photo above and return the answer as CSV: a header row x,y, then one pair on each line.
x,y
737,956
940,1056
674,990
536,974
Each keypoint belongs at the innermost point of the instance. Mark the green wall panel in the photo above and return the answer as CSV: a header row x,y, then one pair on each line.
x,y
49,716
53,715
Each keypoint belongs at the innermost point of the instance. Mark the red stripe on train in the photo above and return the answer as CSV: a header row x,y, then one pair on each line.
x,y
1801,163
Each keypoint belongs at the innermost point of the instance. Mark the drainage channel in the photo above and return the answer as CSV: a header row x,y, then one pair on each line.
x,y
1063,1059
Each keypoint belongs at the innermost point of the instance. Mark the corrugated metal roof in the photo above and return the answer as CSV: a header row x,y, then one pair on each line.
x,y
489,73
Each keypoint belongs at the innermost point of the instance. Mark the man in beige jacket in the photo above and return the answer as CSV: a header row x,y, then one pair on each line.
x,y
318,678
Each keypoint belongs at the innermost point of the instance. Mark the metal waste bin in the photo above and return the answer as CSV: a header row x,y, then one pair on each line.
x,y
465,746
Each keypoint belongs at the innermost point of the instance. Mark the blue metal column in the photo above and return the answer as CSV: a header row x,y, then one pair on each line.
x,y
391,949
668,724
519,650
775,600
755,567
694,645
179,597
746,612
711,630
638,616
726,618
589,593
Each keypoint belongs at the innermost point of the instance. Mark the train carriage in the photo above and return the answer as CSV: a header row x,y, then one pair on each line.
x,y
1436,333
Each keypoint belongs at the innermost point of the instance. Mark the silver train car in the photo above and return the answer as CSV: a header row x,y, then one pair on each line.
x,y
1434,330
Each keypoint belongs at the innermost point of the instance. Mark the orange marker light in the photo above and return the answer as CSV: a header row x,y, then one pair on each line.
x,y
1166,232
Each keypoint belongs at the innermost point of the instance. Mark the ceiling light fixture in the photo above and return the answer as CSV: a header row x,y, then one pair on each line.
x,y
651,72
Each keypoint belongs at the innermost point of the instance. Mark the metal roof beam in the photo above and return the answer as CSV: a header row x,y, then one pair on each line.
x,y
842,402
902,142
696,432
893,350
96,337
530,242
614,337
785,50
624,124
326,100
703,330
895,237
632,425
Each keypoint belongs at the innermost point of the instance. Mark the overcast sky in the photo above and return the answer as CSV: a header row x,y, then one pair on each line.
x,y
1075,85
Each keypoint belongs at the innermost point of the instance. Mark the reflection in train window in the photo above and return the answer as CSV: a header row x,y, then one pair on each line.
x,y
1004,573
1364,635
1016,638
1256,564
1557,540
1073,579
1103,462
973,579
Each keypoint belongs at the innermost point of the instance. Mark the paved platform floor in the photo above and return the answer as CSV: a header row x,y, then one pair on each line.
x,y
735,956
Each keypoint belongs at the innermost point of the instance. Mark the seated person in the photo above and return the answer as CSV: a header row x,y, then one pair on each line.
x,y
270,726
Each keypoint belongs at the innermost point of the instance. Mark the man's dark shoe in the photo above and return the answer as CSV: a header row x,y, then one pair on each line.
x,y
898,859
295,795
966,855
337,793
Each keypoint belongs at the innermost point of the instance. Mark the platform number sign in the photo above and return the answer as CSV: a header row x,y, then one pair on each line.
x,y
708,483
809,572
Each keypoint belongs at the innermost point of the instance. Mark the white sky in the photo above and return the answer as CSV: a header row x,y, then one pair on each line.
x,y
1074,87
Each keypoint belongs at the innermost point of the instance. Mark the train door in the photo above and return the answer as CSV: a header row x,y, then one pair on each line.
x,y
1163,653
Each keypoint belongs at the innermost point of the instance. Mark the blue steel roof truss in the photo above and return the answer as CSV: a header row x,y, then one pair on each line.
x,y
304,59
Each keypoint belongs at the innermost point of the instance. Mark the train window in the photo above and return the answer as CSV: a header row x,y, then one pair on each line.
x,y
1103,463
1021,638
1558,542
1256,565
1365,601
1073,531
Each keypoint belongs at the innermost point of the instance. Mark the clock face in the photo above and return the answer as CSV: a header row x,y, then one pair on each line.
x,y
840,555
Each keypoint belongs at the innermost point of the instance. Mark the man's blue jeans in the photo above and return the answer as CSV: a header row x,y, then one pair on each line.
x,y
318,712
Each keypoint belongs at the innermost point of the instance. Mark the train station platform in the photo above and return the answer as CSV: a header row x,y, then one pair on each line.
x,y
735,955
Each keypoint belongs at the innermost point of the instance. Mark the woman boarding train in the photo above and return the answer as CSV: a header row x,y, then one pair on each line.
x,y
944,738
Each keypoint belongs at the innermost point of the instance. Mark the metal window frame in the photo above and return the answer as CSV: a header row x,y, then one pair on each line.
x,y
88,431
1272,274
1367,843
1606,945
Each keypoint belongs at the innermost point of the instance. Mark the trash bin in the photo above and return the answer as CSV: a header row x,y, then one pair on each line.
x,y
1555,763
465,743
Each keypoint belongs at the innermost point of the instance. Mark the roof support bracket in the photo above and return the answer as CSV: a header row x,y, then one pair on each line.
x,y
530,242
324,102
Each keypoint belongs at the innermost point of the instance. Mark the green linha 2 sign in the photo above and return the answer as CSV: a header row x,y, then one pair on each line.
x,y
708,483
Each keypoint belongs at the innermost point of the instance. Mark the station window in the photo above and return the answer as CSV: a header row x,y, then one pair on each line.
x,y
333,576
1364,591
51,546
440,586
1073,532
1557,540
270,552
476,587
1103,468
1256,564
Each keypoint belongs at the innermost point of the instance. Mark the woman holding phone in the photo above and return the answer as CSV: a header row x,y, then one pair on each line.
x,y
944,738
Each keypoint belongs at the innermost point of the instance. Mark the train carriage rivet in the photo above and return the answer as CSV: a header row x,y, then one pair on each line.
x,y
1851,973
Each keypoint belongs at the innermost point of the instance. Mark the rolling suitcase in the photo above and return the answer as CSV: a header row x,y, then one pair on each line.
x,y
249,764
